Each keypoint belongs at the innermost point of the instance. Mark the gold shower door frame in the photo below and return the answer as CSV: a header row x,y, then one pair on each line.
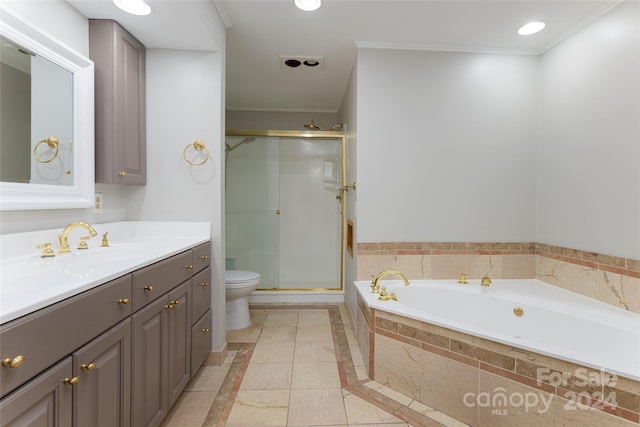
x,y
312,134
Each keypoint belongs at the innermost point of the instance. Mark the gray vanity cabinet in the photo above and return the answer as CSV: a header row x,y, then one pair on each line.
x,y
120,110
46,401
102,396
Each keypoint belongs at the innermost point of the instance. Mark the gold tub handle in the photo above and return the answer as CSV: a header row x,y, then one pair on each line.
x,y
518,311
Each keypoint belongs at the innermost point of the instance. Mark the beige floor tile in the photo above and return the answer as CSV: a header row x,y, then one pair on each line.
x,y
246,335
191,410
314,352
208,378
314,334
316,407
259,408
356,356
273,352
278,334
361,373
359,411
267,376
313,317
391,394
276,318
315,375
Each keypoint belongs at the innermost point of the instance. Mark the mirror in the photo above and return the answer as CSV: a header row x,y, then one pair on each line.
x,y
46,120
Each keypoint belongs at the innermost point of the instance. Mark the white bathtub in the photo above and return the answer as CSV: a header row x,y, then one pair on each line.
x,y
556,322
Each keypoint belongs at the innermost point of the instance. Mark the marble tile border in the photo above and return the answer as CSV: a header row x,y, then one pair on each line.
x,y
399,406
624,266
518,365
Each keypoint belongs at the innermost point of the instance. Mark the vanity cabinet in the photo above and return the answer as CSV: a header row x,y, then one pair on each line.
x,y
103,358
46,401
120,111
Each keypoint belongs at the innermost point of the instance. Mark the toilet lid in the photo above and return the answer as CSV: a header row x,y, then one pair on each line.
x,y
239,276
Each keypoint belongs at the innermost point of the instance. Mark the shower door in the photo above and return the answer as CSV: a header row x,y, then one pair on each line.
x,y
283,219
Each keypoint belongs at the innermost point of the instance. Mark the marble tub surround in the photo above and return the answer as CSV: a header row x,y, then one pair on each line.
x,y
30,282
484,383
613,280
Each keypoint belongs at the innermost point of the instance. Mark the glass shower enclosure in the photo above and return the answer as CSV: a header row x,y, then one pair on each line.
x,y
284,202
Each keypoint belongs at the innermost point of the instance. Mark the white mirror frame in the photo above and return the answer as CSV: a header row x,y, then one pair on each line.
x,y
20,196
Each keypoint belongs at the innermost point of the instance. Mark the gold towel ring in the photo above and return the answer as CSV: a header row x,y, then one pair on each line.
x,y
198,146
52,142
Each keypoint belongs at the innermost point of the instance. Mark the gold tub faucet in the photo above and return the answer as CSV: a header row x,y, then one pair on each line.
x,y
485,281
64,237
375,288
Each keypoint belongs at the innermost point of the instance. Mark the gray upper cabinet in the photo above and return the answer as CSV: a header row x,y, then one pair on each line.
x,y
120,140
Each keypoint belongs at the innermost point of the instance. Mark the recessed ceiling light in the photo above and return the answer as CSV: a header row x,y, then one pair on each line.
x,y
531,28
308,5
134,7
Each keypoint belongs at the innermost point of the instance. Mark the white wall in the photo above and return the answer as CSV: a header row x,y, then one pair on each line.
x,y
276,120
589,154
446,146
184,103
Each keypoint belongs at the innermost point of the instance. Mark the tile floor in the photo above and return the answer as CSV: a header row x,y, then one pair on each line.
x,y
296,365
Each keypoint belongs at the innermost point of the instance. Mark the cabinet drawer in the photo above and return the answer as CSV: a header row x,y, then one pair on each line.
x,y
200,342
155,280
201,291
48,335
201,256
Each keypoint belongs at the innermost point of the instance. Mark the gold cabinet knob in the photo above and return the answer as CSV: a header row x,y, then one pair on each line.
x,y
205,330
124,301
189,267
72,380
122,173
13,363
88,367
203,257
168,306
175,302
204,284
148,288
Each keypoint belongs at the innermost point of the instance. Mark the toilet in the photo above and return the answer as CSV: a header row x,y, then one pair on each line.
x,y
239,284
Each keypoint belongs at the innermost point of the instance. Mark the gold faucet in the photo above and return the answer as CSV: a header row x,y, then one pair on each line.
x,y
64,237
375,288
485,281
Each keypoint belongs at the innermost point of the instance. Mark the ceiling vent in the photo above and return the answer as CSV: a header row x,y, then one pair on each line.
x,y
302,62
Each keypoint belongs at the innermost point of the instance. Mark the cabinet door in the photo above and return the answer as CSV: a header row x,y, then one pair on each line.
x,y
130,153
179,357
45,401
149,362
200,342
104,390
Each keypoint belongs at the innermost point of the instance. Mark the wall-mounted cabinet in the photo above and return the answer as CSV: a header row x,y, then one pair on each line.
x,y
120,111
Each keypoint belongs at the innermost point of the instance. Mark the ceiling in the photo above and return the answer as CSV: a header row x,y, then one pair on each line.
x,y
260,32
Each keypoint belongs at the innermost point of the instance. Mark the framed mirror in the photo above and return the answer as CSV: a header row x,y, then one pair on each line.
x,y
46,120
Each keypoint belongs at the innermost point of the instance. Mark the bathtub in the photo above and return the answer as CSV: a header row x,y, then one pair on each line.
x,y
554,322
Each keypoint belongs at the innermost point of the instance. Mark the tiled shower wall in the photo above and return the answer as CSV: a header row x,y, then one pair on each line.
x,y
613,280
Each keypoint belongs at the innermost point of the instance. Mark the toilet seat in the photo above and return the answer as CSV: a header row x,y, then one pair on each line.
x,y
238,278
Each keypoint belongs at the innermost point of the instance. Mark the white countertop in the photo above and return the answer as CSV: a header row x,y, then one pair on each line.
x,y
30,282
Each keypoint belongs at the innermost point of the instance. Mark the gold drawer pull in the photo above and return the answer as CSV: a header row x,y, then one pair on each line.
x,y
189,267
168,307
124,301
88,367
148,288
175,302
72,380
204,284
13,363
205,330
204,257
122,173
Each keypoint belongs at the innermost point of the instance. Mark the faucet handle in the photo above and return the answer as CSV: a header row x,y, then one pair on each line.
x,y
46,250
83,242
463,278
105,241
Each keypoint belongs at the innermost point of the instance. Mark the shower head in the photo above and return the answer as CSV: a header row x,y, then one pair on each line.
x,y
314,126
228,148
